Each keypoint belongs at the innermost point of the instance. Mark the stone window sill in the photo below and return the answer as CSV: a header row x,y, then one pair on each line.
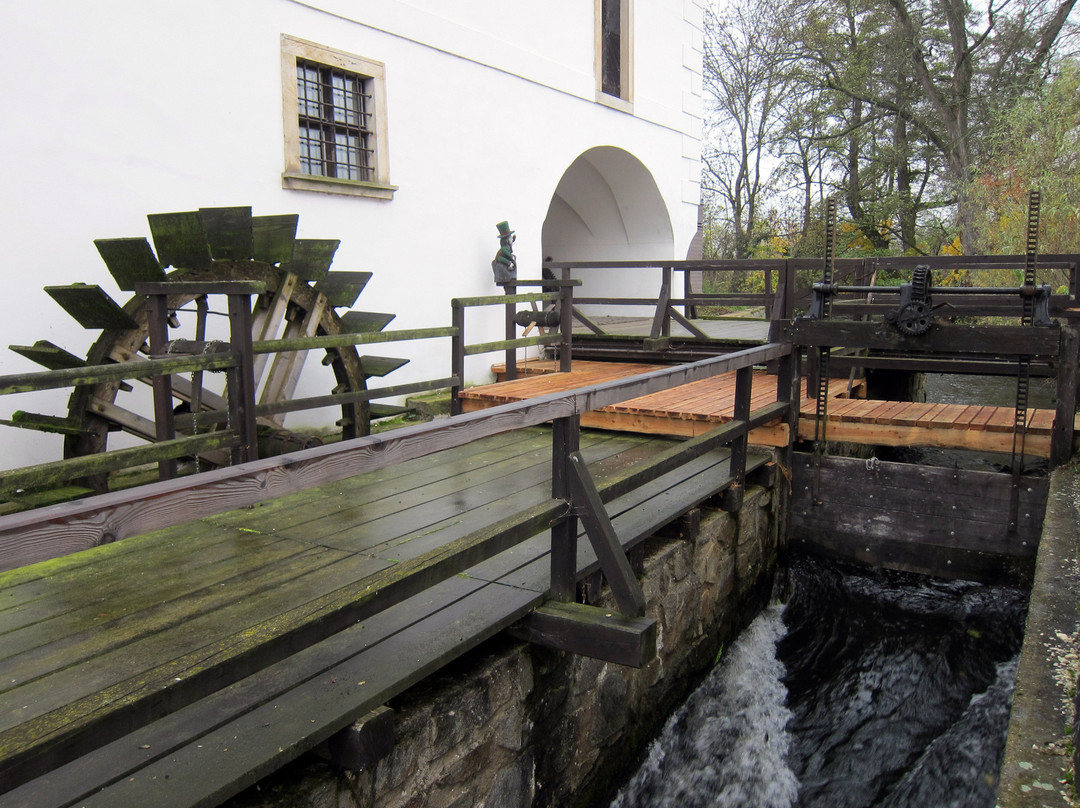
x,y
332,185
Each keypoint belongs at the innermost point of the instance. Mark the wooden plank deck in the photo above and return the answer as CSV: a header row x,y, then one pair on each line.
x,y
694,408
146,663
685,411
945,426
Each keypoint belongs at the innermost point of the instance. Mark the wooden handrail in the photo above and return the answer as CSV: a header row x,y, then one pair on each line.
x,y
118,371
59,529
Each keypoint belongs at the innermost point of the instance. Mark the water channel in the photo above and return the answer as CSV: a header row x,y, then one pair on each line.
x,y
866,688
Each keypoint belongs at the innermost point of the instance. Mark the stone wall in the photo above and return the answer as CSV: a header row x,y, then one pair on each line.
x,y
518,725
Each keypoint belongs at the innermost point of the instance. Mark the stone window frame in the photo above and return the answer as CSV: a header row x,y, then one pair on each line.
x,y
624,100
374,73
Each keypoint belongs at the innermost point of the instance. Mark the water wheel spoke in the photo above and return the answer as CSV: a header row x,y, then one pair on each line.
x,y
266,323
134,424
285,372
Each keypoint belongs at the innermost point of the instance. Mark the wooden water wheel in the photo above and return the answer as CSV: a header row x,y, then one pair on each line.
x,y
302,298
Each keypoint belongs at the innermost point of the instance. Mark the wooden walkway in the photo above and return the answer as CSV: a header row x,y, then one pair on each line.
x,y
695,408
211,653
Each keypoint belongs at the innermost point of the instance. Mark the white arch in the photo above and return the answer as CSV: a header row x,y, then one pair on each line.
x,y
607,207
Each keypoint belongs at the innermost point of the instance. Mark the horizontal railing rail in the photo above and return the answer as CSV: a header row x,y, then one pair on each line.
x,y
560,304
70,526
238,419
788,284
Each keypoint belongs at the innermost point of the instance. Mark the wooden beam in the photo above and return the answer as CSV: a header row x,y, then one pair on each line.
x,y
590,509
896,435
948,339
362,744
591,631
1062,439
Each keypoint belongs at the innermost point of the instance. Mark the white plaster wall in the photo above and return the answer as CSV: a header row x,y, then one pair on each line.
x,y
121,108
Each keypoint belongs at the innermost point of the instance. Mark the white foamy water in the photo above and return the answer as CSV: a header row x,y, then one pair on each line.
x,y
727,746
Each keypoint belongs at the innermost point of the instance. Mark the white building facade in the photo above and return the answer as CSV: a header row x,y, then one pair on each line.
x,y
475,112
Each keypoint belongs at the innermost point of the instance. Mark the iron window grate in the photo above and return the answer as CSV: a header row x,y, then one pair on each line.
x,y
336,122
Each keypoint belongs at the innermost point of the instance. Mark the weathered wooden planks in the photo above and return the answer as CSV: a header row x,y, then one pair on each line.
x,y
955,426
71,685
925,519
687,410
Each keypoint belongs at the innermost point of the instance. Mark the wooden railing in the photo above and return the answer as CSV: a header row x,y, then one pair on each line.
x,y
787,284
234,428
562,303
60,529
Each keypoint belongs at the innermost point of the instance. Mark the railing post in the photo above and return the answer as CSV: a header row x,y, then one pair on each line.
x,y
566,326
457,355
157,326
565,440
510,356
242,380
667,279
733,496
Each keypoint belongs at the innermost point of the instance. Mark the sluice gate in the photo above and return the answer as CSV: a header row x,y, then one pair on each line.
x,y
947,522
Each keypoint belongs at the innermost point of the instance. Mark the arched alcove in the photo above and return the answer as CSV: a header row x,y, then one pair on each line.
x,y
607,207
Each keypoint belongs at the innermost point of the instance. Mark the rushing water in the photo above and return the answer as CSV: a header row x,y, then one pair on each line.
x,y
867,689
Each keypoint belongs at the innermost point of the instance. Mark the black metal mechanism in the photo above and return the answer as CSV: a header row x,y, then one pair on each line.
x,y
821,408
1023,371
915,314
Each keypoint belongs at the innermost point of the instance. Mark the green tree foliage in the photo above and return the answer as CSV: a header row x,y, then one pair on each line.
x,y
903,109
1036,144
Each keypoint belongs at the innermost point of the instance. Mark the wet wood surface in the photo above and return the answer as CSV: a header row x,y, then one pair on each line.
x,y
152,656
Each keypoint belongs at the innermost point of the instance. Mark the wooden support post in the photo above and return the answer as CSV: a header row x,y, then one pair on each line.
x,y
362,744
661,325
770,293
242,379
689,309
157,324
592,632
566,325
1061,440
457,355
565,440
592,587
510,356
732,498
609,552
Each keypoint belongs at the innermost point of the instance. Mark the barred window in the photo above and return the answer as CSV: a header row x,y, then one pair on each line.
x,y
335,121
335,111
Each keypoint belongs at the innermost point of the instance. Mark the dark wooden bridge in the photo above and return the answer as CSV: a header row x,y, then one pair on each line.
x,y
210,628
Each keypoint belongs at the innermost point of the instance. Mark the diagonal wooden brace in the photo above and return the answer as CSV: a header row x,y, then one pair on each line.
x,y
590,509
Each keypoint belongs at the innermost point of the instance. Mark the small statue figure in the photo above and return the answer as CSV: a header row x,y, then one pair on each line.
x,y
505,264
